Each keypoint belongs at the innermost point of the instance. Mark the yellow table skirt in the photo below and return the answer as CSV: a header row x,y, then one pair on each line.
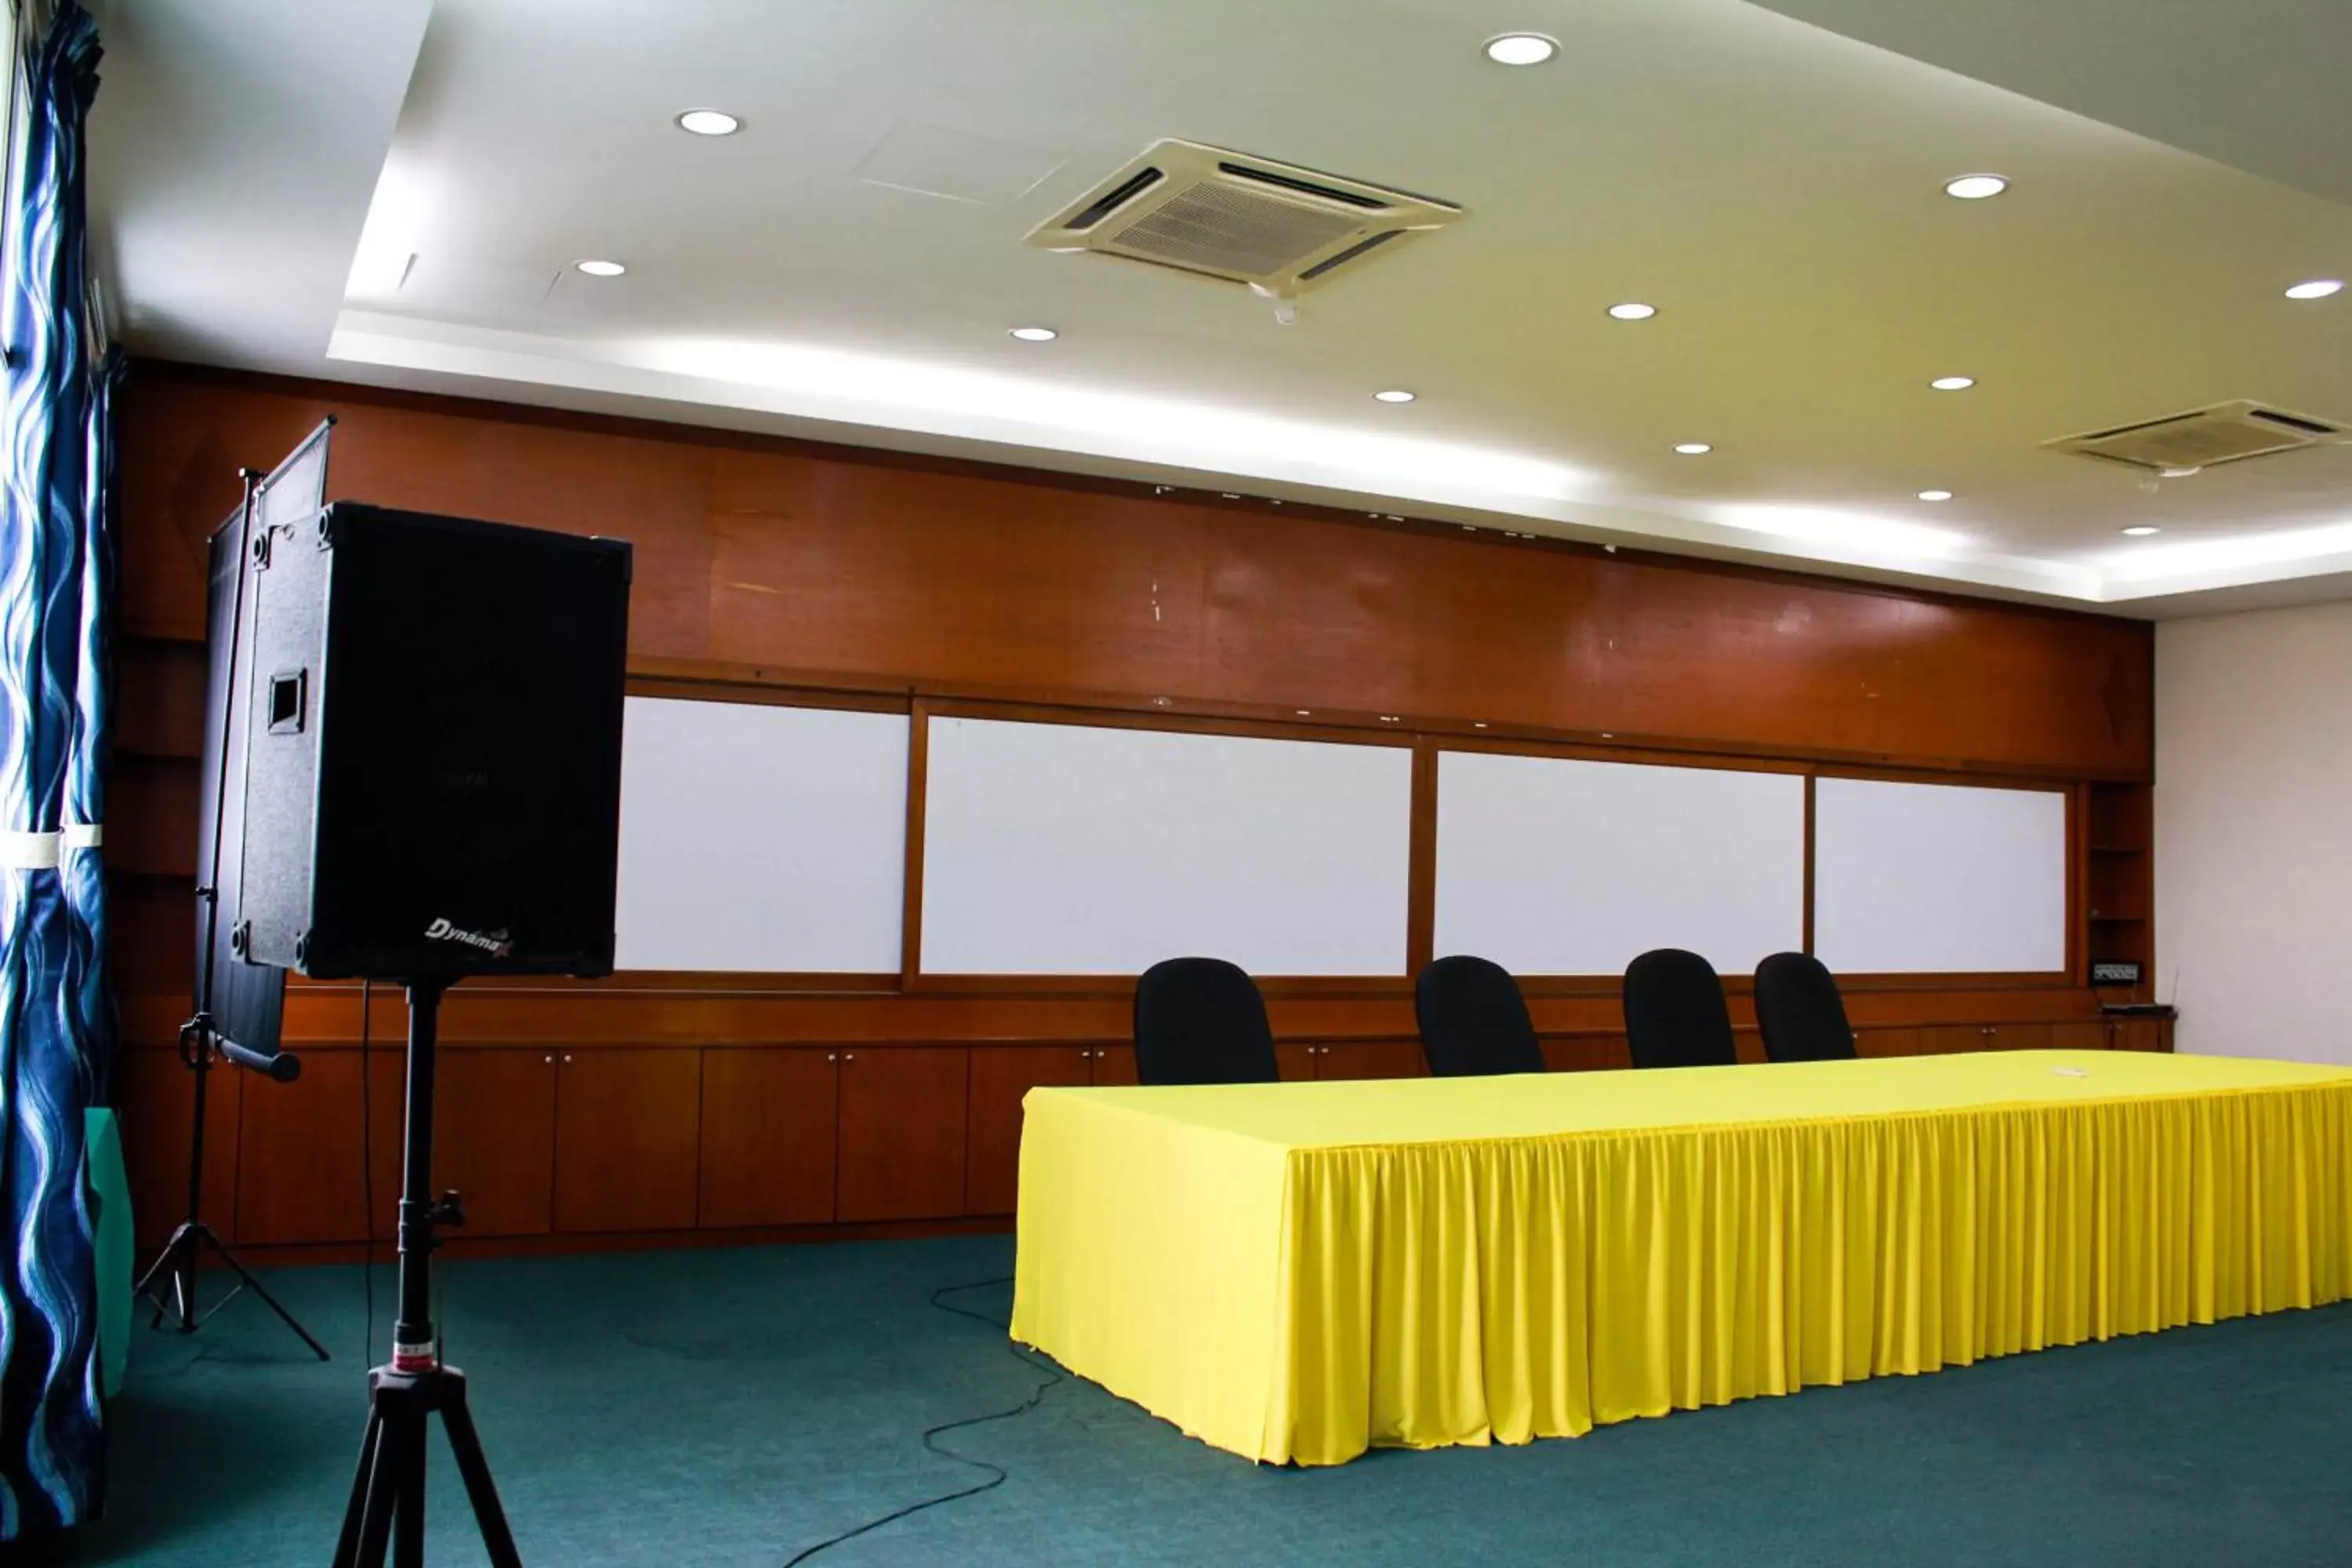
x,y
1297,1271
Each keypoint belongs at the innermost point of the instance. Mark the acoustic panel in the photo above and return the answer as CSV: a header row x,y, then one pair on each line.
x,y
1550,866
1912,878
1068,849
758,838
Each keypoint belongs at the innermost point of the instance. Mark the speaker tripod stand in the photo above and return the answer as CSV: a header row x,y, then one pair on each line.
x,y
387,1502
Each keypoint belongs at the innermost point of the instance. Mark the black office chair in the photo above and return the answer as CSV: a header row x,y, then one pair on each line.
x,y
1802,1015
1675,1012
1201,1020
1473,1019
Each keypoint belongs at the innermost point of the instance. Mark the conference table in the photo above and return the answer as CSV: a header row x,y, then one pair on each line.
x,y
1299,1271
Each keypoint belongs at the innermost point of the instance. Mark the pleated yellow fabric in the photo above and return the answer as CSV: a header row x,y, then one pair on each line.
x,y
1295,1272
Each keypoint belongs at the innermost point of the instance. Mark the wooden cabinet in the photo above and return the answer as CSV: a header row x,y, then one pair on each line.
x,y
1895,1042
902,1122
625,1131
1939,1039
1370,1058
299,1176
493,1137
1586,1053
154,1101
1000,1075
768,1135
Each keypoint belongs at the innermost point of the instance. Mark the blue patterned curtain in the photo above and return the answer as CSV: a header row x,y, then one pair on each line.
x,y
55,583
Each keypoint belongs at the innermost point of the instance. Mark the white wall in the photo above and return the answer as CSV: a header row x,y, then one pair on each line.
x,y
2254,831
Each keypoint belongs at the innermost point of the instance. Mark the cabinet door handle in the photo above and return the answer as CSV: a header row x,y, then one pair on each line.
x,y
833,1056
551,1061
567,1055
849,1056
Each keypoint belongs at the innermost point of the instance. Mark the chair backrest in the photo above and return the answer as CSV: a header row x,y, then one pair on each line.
x,y
1798,1007
1675,1012
1474,1020
1201,1020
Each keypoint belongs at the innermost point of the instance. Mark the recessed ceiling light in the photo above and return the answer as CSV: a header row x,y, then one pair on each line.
x,y
2316,289
1394,394
1522,50
1632,310
1975,187
2141,530
1693,449
1935,495
1953,382
1035,334
601,269
709,122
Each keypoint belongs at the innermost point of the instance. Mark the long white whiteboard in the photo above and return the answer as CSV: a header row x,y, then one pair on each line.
x,y
1914,878
761,839
1066,850
1549,866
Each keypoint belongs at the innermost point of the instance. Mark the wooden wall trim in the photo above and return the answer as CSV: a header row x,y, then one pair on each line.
x,y
198,378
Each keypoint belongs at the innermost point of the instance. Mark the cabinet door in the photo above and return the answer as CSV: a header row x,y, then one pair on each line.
x,y
2143,1034
493,1137
903,1114
1114,1065
1943,1039
155,1101
625,1138
1371,1058
999,1077
1886,1042
299,1172
768,1115
1296,1064
1586,1053
2085,1034
2017,1036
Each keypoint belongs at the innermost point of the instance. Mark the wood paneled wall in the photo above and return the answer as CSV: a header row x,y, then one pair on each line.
x,y
662,1105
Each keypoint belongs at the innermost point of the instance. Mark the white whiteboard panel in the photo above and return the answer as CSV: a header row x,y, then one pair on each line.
x,y
759,838
1554,867
1061,849
1939,879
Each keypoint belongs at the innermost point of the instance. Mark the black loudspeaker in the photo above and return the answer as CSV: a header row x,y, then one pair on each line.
x,y
433,757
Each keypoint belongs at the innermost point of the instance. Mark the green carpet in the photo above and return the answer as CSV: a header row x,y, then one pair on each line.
x,y
728,1407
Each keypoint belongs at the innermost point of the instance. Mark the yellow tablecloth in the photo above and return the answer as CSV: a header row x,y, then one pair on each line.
x,y
1297,1271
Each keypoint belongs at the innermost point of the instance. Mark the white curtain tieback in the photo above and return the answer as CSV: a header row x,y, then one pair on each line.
x,y
29,851
38,851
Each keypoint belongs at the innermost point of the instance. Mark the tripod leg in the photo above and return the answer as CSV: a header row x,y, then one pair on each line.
x,y
384,1483
408,1515
174,1266
163,1260
283,1315
347,1544
480,1489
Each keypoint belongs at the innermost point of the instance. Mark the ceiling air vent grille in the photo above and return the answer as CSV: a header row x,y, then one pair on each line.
x,y
1247,220
2225,433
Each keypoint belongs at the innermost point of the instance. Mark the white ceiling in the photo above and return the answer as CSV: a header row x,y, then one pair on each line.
x,y
1774,187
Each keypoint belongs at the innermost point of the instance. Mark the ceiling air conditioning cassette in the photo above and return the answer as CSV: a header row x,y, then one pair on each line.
x,y
1278,227
2181,443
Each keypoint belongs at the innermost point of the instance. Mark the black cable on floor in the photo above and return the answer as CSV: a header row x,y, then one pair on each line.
x,y
996,1473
